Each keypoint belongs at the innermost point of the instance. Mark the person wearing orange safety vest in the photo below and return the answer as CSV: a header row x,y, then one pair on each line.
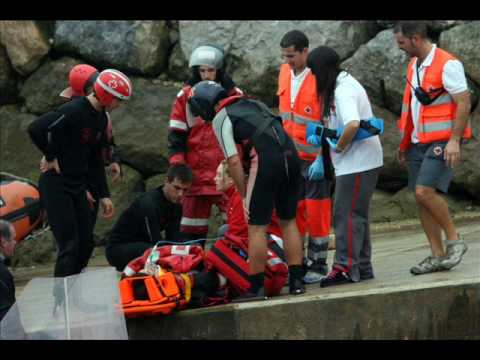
x,y
434,121
299,105
191,141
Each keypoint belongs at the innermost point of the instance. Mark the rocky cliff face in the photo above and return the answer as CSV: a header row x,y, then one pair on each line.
x,y
36,56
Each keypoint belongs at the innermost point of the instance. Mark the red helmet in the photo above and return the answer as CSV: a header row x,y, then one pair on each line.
x,y
80,77
112,84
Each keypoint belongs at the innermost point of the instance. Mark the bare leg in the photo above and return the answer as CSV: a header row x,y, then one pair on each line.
x,y
432,229
292,241
257,248
438,209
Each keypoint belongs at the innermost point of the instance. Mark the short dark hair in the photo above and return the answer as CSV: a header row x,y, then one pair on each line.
x,y
181,172
295,38
5,232
411,27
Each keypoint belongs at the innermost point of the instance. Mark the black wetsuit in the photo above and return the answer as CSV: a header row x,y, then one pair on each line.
x,y
7,290
74,134
273,163
140,225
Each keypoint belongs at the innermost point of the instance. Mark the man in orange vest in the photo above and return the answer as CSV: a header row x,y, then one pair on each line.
x,y
300,105
434,120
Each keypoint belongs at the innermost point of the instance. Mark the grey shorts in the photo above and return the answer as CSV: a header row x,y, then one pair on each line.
x,y
427,167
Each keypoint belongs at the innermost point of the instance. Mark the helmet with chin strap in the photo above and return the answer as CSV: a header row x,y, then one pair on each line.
x,y
111,84
204,96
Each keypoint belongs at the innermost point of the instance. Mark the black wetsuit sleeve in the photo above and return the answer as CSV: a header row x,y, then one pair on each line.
x,y
97,169
149,220
48,132
115,154
7,290
172,230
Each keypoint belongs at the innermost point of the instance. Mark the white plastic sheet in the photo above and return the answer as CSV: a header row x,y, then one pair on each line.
x,y
88,309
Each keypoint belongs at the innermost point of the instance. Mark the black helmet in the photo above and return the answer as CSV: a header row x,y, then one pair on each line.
x,y
205,95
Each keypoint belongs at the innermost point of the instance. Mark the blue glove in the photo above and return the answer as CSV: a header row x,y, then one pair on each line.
x,y
316,171
377,122
311,134
363,133
332,143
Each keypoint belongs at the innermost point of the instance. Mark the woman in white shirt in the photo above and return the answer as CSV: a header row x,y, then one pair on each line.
x,y
357,166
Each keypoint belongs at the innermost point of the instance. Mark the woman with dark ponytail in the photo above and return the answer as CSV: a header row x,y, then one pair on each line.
x,y
357,166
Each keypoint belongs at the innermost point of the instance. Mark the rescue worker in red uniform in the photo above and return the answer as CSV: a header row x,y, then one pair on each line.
x,y
191,141
299,106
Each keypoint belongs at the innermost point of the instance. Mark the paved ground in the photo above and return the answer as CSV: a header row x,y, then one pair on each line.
x,y
394,252
429,303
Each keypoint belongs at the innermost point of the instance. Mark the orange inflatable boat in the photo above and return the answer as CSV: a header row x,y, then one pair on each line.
x,y
20,205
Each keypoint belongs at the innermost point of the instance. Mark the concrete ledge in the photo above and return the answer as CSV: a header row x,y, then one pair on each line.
x,y
440,310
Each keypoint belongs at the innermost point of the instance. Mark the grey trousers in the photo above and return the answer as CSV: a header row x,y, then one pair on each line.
x,y
351,222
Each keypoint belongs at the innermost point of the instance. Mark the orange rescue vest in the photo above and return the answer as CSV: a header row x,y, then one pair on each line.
x,y
436,120
307,108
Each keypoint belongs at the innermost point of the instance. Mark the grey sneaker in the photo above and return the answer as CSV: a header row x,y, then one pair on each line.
x,y
428,265
455,251
315,272
312,277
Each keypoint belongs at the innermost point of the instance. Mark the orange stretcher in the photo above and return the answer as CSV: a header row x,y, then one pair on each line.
x,y
158,294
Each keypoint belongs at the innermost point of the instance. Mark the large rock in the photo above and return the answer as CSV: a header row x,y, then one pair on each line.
x,y
392,176
38,250
435,26
467,174
27,43
381,68
41,90
141,126
133,46
178,65
18,155
253,47
155,181
122,194
464,42
8,83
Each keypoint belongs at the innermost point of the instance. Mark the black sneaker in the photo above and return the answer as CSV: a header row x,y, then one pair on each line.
x,y
335,277
296,286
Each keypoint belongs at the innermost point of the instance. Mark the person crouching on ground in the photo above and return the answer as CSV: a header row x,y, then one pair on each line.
x,y
140,226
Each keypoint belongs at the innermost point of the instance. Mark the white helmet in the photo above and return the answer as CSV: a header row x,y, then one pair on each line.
x,y
208,55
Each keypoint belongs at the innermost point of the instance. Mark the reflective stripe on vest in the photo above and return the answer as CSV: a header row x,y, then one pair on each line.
x,y
297,119
436,120
193,222
177,124
306,109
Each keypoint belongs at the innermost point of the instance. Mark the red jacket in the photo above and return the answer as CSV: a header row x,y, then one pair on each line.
x,y
192,141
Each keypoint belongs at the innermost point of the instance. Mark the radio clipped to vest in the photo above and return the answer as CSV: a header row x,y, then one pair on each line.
x,y
423,96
